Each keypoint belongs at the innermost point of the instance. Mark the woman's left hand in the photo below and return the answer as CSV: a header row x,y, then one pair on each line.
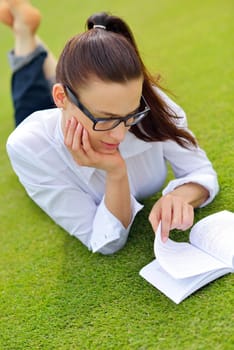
x,y
173,212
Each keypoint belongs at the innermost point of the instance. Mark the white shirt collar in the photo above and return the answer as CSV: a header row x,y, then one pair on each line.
x,y
131,146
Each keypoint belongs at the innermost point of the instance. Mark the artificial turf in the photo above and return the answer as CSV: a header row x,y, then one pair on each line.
x,y
54,293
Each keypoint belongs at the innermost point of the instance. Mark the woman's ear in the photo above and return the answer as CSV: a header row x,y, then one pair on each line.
x,y
59,96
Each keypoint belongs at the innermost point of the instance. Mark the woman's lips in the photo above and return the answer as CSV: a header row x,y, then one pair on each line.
x,y
110,146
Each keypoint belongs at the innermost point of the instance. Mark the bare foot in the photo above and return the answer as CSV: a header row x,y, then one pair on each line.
x,y
23,14
5,13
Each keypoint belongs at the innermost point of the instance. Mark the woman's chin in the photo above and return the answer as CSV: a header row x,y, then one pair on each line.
x,y
113,151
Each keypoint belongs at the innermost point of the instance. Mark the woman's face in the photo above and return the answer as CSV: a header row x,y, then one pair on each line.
x,y
105,100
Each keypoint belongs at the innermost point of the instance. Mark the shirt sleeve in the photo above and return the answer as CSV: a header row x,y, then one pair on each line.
x,y
115,235
190,165
70,206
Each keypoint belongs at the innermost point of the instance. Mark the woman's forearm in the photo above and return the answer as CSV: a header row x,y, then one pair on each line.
x,y
117,196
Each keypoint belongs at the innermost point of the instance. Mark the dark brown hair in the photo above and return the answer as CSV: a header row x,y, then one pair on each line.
x,y
111,54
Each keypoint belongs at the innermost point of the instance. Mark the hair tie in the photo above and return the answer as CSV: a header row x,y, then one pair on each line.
x,y
99,26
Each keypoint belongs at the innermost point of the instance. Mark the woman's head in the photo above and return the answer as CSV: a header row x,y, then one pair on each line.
x,y
102,71
106,55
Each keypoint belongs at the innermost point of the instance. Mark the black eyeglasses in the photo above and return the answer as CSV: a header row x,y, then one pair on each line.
x,y
104,124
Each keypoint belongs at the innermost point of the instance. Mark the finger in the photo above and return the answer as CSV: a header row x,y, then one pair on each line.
x,y
188,217
154,217
77,143
89,151
177,214
166,218
70,130
165,230
85,141
67,126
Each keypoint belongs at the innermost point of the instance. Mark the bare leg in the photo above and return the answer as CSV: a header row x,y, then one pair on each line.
x,y
50,63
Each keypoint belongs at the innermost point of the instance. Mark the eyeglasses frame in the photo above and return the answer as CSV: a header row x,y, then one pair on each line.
x,y
73,98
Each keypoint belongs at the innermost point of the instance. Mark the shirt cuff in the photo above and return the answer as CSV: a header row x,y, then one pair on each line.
x,y
208,181
109,235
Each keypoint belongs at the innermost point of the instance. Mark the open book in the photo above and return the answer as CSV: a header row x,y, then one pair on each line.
x,y
182,268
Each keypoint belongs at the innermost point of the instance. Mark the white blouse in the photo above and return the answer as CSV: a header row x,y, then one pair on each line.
x,y
73,195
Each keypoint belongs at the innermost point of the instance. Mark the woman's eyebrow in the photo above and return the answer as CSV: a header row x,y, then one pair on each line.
x,y
109,114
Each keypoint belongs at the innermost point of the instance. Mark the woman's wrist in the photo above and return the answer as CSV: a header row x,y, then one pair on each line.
x,y
117,174
193,193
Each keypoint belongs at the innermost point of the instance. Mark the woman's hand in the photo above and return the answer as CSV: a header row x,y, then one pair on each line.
x,y
175,209
173,212
76,139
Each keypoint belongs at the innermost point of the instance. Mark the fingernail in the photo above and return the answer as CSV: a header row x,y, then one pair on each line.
x,y
73,121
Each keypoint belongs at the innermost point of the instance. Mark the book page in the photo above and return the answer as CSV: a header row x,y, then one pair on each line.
x,y
172,288
177,289
215,235
182,260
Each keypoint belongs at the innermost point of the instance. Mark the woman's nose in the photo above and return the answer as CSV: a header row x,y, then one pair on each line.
x,y
118,133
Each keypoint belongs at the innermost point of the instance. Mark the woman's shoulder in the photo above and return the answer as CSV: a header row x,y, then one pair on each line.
x,y
34,147
36,138
40,125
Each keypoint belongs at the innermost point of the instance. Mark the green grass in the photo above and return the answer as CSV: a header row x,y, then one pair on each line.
x,y
54,294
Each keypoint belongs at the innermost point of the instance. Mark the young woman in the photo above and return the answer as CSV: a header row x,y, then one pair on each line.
x,y
104,147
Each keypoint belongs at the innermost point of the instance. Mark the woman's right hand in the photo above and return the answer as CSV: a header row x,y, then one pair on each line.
x,y
76,139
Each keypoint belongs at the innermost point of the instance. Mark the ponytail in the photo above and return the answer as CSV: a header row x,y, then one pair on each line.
x,y
113,24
